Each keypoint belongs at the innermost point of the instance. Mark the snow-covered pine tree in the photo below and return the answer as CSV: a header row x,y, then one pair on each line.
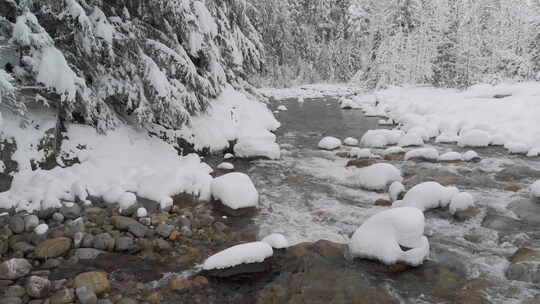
x,y
155,61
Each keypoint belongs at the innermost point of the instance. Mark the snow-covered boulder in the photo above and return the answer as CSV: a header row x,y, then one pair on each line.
x,y
426,154
380,138
225,166
535,189
395,190
428,195
447,138
474,138
381,236
375,177
393,151
255,252
517,147
276,240
411,139
460,202
470,156
257,147
451,157
360,153
228,156
348,104
534,152
235,190
350,141
282,108
329,143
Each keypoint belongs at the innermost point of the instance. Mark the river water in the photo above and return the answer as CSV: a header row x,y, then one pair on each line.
x,y
306,196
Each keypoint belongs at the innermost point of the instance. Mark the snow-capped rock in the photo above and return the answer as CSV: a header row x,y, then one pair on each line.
x,y
360,153
393,150
375,177
282,108
411,139
428,154
517,147
428,195
451,157
235,190
535,189
447,138
470,156
395,190
329,143
247,253
381,236
142,212
350,141
276,240
460,202
474,138
225,166
380,138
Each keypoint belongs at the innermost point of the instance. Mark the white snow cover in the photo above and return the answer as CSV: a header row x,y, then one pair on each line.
x,y
428,195
276,240
350,141
308,91
380,237
375,177
254,252
517,147
228,156
470,155
126,200
425,153
346,103
125,160
329,143
447,138
360,153
393,150
461,201
225,166
381,138
411,139
142,212
535,189
41,229
2,166
478,118
282,108
235,190
534,152
394,190
451,156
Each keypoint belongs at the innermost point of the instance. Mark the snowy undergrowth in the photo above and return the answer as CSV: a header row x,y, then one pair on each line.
x,y
470,118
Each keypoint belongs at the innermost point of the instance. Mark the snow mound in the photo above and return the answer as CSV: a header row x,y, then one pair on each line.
x,y
381,236
534,152
346,103
460,202
41,229
428,195
235,190
282,108
535,189
447,138
360,153
228,156
225,166
329,143
396,188
393,150
276,240
375,177
517,147
254,252
470,155
474,138
381,138
142,212
411,139
257,147
423,153
350,141
451,156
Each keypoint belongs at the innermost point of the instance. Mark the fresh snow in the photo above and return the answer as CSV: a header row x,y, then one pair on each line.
x,y
428,195
235,190
41,229
282,108
381,236
375,177
247,253
411,139
451,156
350,141
225,166
470,155
381,138
329,143
424,153
474,138
535,189
395,189
460,202
360,153
142,212
276,240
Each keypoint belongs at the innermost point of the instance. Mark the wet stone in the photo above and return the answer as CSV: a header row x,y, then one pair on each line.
x,y
53,248
11,300
94,281
63,296
30,222
87,253
137,229
104,241
124,244
86,296
164,230
14,269
70,211
16,291
16,224
38,287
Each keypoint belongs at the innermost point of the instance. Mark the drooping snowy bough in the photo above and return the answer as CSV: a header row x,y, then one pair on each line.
x,y
383,235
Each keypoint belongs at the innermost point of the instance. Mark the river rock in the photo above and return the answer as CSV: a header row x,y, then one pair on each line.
x,y
58,217
74,226
63,296
53,248
14,269
467,214
525,266
88,241
124,243
127,301
164,230
87,253
95,281
104,241
70,211
137,229
16,224
78,237
16,291
86,295
122,222
23,247
38,287
30,222
11,300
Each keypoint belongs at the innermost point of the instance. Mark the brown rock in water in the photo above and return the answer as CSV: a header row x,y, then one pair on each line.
x,y
398,267
524,255
383,202
343,154
361,163
467,214
445,180
122,222
53,248
95,281
295,180
396,156
512,188
180,284
249,211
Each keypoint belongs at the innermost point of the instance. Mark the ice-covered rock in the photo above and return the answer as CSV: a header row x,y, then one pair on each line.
x,y
348,104
428,154
247,253
235,190
375,177
228,156
41,229
360,153
535,189
257,147
350,141
381,236
329,143
395,190
428,195
534,152
411,139
470,156
451,157
474,138
460,202
225,166
142,212
276,240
